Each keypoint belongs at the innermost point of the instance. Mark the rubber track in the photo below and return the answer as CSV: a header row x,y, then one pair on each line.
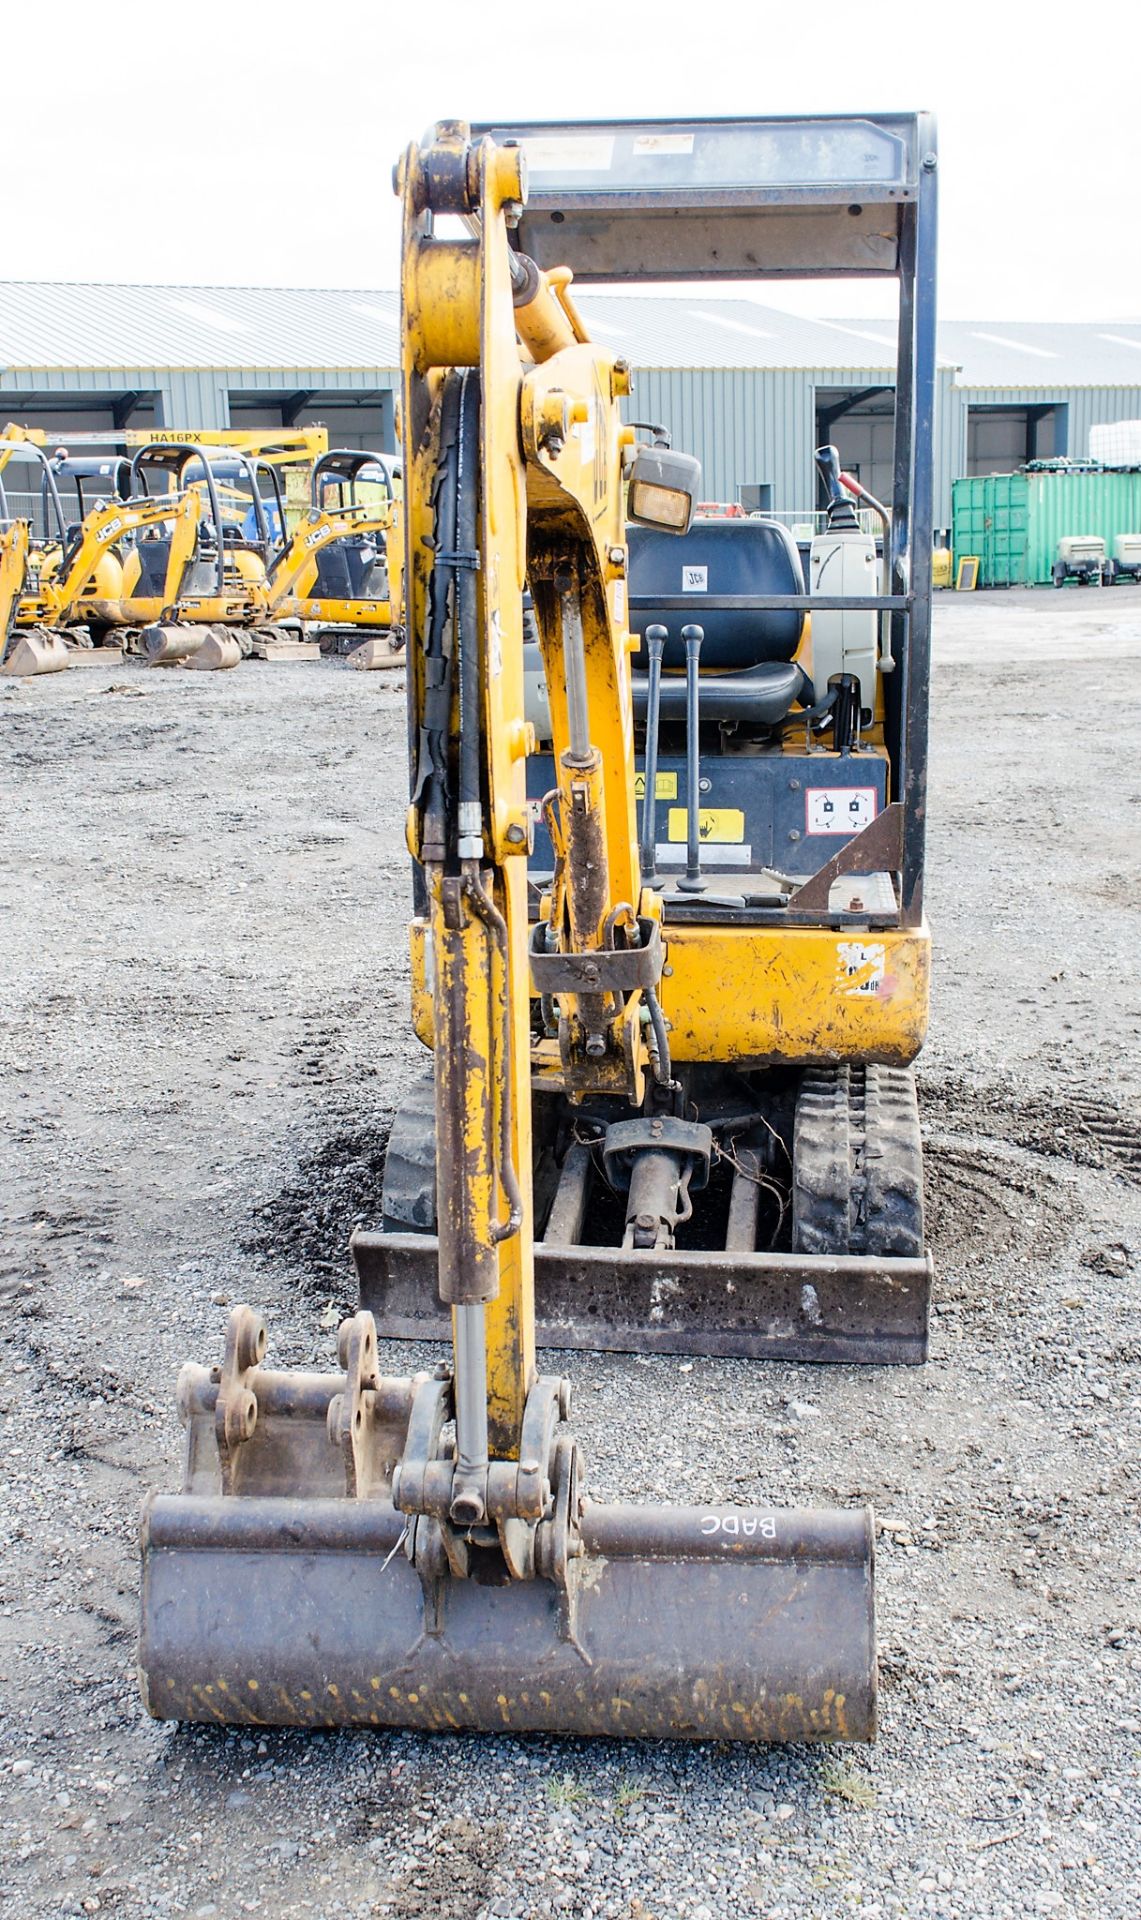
x,y
409,1193
857,1162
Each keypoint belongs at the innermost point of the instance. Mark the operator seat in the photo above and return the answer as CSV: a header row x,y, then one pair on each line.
x,y
345,570
154,555
747,669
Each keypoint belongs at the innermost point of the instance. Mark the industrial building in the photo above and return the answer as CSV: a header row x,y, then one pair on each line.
x,y
750,389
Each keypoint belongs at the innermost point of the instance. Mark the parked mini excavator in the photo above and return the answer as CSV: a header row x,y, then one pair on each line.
x,y
342,572
70,578
644,1062
223,610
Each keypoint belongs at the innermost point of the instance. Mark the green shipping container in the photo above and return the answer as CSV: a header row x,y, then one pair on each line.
x,y
1014,521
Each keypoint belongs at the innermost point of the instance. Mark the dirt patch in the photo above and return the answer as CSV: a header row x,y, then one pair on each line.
x,y
984,1204
1087,1132
451,1879
204,1032
337,1187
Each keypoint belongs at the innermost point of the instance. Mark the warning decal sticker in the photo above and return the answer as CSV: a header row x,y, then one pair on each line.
x,y
860,968
721,825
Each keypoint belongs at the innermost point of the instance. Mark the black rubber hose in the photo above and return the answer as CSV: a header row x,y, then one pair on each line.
x,y
429,785
466,598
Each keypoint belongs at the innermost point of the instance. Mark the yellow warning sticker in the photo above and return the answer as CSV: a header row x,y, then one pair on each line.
x,y
665,787
720,826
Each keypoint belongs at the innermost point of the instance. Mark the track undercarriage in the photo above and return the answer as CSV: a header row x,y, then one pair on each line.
x,y
783,1219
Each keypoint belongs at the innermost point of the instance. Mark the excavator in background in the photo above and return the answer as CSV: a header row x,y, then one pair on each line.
x,y
95,481
273,446
221,611
53,606
671,1091
59,524
253,592
351,596
13,568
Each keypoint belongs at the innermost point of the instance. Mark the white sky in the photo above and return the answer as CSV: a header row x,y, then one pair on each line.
x,y
219,144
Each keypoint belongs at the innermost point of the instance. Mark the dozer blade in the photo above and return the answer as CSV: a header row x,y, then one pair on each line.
x,y
282,1586
851,1308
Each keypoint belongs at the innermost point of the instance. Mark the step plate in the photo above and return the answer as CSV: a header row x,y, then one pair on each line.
x,y
759,1306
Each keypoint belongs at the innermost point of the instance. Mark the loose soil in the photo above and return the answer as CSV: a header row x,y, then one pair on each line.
x,y
203,1039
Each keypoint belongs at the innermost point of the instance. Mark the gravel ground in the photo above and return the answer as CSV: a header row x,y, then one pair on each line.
x,y
203,1035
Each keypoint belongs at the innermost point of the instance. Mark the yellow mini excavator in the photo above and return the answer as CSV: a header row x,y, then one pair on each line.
x,y
350,595
53,605
671,1093
13,568
223,609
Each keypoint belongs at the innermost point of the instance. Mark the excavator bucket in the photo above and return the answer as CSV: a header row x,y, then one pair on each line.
x,y
36,650
218,653
281,1586
168,645
376,654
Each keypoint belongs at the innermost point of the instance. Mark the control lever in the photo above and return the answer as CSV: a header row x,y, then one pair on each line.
x,y
841,512
656,638
691,881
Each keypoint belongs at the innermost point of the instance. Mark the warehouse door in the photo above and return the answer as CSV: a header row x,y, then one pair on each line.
x,y
1001,438
859,422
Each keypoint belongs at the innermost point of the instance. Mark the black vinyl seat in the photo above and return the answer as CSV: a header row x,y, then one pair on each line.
x,y
154,554
747,668
762,695
345,569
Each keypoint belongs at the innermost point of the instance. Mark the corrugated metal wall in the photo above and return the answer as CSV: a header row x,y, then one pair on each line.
x,y
1088,407
744,425
747,425
187,396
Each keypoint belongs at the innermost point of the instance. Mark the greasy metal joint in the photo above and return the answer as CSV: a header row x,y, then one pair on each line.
x,y
352,1414
598,970
236,1408
450,169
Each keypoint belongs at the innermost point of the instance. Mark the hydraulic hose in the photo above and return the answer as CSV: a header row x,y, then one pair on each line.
x,y
464,560
429,785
